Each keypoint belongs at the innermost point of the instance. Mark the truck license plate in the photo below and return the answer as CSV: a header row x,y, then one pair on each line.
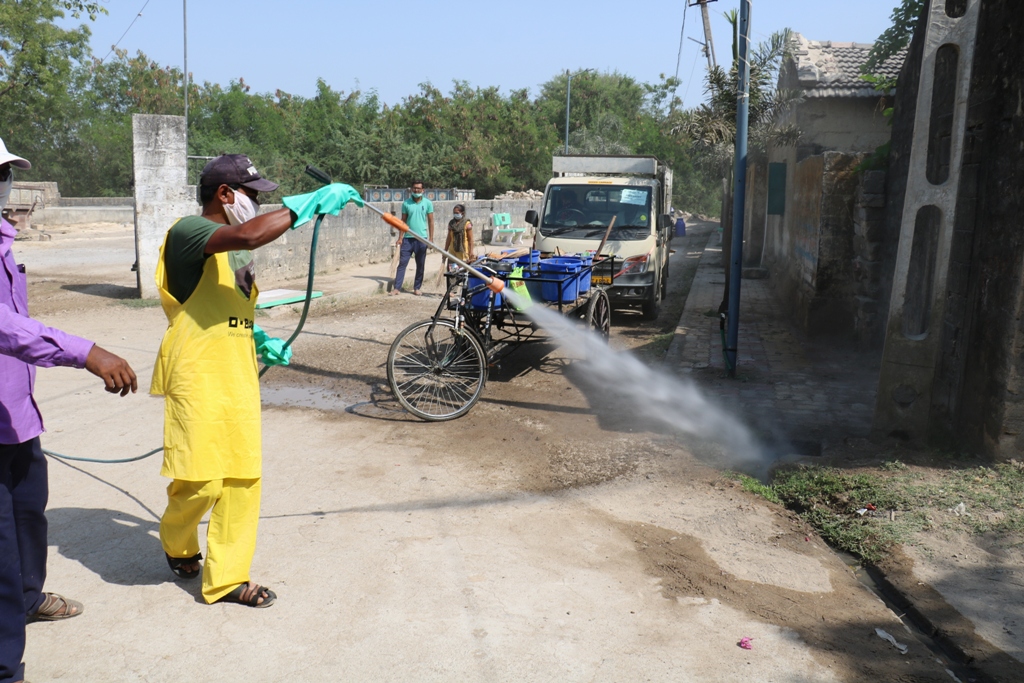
x,y
601,279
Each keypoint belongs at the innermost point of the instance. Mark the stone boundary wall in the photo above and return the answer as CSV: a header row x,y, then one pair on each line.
x,y
811,254
95,201
869,225
80,215
358,236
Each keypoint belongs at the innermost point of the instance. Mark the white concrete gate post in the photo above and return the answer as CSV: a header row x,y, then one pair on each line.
x,y
162,193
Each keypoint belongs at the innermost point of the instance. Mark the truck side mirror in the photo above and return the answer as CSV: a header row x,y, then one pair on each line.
x,y
665,221
532,218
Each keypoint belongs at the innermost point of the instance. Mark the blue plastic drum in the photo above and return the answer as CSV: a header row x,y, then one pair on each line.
x,y
566,270
480,299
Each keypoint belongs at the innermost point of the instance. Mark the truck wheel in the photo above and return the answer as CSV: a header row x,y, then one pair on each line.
x,y
649,309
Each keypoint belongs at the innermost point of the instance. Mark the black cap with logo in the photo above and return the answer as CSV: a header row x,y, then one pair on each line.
x,y
234,169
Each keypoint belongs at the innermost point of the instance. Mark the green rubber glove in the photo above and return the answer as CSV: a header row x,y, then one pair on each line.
x,y
328,199
271,349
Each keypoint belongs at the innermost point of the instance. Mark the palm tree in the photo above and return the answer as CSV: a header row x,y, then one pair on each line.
x,y
711,126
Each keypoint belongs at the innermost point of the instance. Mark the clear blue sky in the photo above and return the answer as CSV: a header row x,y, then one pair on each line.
x,y
392,46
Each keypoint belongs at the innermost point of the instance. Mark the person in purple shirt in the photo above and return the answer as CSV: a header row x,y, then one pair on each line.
x,y
24,344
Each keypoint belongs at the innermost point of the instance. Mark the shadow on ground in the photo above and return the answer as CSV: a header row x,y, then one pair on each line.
x,y
119,547
106,291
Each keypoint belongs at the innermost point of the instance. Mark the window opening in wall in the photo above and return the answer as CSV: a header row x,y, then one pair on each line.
x,y
920,292
956,8
947,61
776,189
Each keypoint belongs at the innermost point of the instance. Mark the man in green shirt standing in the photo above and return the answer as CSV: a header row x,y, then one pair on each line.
x,y
206,371
418,214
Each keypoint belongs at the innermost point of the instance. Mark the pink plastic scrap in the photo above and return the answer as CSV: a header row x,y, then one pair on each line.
x,y
746,643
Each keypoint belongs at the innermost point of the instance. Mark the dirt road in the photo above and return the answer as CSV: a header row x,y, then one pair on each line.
x,y
545,536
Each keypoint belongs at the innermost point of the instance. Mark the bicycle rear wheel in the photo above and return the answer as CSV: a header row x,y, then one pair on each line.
x,y
436,371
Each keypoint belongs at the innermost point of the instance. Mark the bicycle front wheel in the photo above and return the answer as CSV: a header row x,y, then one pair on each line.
x,y
436,371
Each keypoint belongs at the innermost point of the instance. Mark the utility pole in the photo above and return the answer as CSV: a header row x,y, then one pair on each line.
x,y
740,184
709,43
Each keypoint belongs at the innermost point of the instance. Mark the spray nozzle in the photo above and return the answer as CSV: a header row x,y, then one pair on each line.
x,y
395,222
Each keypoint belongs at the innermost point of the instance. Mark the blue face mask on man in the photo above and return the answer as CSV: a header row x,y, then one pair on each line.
x,y
417,195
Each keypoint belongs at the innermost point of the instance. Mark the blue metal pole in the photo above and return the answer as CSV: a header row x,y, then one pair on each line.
x,y
739,188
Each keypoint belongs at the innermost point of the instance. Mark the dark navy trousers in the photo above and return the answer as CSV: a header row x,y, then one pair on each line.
x,y
23,494
411,247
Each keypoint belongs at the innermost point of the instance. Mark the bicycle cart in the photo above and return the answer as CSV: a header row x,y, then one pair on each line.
x,y
437,368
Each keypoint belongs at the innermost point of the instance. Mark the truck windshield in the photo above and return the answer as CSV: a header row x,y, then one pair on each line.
x,y
584,211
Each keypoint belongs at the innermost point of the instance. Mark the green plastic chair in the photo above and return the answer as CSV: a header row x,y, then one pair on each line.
x,y
504,234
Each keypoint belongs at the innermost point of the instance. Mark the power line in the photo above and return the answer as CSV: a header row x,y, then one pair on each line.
x,y
114,46
695,60
682,32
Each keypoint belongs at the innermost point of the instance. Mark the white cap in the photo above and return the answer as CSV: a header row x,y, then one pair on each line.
x,y
8,158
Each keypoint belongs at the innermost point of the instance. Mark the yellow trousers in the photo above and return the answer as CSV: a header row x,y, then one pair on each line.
x,y
230,536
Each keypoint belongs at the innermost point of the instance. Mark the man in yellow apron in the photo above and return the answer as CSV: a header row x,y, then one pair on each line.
x,y
206,370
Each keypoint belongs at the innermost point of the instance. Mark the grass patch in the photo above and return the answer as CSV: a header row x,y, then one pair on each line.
x,y
139,303
899,500
660,342
752,485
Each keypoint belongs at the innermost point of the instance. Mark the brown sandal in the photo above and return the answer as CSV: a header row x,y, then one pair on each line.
x,y
57,607
249,594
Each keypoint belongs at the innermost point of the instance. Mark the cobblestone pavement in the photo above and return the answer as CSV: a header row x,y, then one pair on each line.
x,y
798,394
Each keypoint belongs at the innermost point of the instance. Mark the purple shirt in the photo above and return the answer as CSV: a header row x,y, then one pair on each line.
x,y
25,343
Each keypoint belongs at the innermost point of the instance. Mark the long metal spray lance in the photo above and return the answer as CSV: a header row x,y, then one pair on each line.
x,y
495,284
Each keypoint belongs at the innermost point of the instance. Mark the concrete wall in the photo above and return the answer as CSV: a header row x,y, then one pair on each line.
x,y
95,201
844,124
755,210
977,394
809,250
869,268
979,388
358,236
161,193
78,215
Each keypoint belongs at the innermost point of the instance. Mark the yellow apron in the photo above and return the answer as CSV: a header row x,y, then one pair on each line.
x,y
206,370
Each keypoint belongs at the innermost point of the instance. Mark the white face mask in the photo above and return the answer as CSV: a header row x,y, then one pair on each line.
x,y
5,190
242,211
458,216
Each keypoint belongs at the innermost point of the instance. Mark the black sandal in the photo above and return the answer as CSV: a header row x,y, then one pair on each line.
x,y
256,592
176,564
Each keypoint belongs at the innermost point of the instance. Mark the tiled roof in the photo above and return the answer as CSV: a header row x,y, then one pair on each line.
x,y
831,69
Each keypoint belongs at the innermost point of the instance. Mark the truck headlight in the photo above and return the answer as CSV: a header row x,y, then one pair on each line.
x,y
634,265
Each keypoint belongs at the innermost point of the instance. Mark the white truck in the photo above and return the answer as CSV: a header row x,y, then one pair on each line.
x,y
580,201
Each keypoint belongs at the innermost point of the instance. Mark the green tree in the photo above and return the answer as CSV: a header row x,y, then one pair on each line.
x,y
904,20
594,95
711,127
37,78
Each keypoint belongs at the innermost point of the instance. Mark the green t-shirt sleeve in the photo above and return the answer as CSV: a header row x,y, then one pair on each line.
x,y
430,206
184,255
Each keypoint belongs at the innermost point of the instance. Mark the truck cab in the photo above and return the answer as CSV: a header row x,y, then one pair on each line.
x,y
580,203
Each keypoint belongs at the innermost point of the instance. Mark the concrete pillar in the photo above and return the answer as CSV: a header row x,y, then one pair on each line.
x,y
916,310
162,194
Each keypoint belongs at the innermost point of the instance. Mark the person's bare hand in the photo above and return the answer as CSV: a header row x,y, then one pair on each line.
x,y
115,372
